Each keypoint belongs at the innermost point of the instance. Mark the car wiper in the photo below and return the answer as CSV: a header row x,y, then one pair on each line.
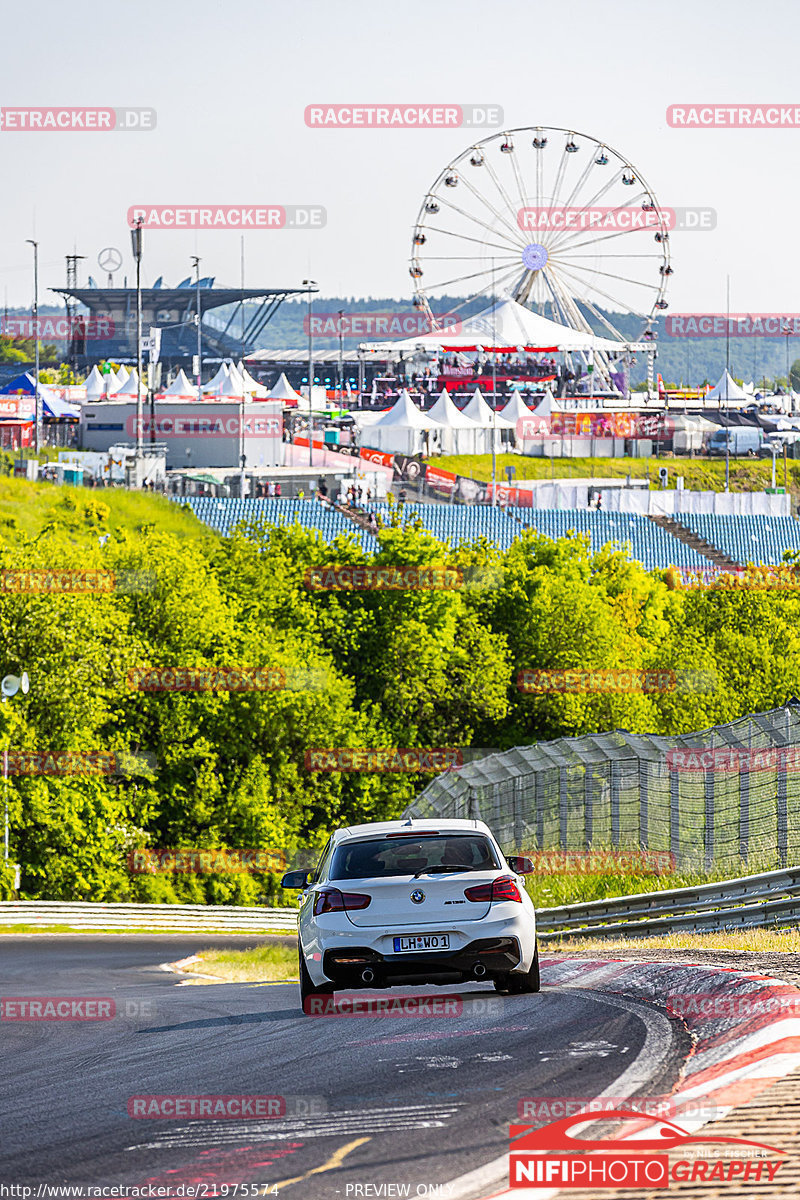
x,y
440,870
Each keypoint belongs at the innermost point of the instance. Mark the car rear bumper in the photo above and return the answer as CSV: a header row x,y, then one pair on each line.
x,y
484,958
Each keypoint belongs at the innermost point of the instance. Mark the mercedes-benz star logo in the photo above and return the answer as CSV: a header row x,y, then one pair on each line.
x,y
417,896
109,259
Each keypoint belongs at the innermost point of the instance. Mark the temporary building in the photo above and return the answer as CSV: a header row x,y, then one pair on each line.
x,y
283,390
505,324
95,384
130,386
52,404
251,385
181,388
459,434
403,429
122,375
727,389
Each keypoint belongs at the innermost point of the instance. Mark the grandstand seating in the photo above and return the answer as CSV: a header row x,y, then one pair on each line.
x,y
649,543
744,539
222,515
760,540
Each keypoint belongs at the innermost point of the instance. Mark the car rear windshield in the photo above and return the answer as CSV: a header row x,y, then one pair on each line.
x,y
384,857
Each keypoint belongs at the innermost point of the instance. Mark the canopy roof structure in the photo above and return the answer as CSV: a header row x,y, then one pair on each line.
x,y
130,386
52,404
505,324
405,414
479,411
516,408
181,387
727,389
282,390
446,413
95,384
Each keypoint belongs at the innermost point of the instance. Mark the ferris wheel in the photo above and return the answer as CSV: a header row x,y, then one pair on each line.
x,y
552,218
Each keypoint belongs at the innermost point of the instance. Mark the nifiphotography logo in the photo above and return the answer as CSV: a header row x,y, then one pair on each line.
x,y
648,1152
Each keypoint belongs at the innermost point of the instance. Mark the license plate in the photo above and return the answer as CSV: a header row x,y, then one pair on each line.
x,y
422,941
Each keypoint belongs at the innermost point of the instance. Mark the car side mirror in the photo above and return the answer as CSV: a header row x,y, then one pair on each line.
x,y
522,866
296,879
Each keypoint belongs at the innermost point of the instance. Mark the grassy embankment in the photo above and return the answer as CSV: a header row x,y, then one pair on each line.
x,y
27,509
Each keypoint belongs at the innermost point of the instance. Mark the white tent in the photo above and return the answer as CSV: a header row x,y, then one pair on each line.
x,y
237,380
460,434
122,375
515,409
251,385
479,411
506,323
112,383
220,383
283,390
95,384
130,386
727,389
402,429
180,388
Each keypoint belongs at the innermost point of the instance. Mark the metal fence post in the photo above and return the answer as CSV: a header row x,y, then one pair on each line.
x,y
674,815
644,783
781,809
538,794
562,806
744,815
615,804
708,840
588,811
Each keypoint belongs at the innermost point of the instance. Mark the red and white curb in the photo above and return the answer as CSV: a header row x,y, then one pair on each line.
x,y
745,1027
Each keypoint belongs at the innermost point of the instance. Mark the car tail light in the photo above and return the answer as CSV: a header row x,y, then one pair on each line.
x,y
332,900
503,888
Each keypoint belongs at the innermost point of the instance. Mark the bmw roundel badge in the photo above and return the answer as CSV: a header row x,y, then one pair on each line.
x,y
417,896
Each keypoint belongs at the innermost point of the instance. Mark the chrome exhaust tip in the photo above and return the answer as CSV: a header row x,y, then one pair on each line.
x,y
368,975
479,970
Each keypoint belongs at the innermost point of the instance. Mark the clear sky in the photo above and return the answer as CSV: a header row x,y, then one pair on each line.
x,y
230,82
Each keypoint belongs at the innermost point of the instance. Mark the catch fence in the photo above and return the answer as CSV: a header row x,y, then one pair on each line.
x,y
721,798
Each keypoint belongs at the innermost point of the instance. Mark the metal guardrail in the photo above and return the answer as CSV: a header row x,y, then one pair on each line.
x,y
751,902
176,918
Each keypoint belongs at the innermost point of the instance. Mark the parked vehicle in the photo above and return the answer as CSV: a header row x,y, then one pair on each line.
x,y
736,440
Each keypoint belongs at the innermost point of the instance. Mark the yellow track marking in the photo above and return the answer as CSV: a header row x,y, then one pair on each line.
x,y
335,1160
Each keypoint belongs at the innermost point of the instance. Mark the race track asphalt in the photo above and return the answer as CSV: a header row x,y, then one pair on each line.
x,y
414,1102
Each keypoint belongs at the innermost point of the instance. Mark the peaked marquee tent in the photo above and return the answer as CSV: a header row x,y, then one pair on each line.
x,y
402,429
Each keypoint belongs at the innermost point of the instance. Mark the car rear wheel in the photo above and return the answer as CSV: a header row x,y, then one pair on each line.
x,y
516,985
307,986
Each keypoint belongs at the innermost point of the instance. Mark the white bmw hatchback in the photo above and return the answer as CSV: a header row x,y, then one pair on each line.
x,y
415,901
